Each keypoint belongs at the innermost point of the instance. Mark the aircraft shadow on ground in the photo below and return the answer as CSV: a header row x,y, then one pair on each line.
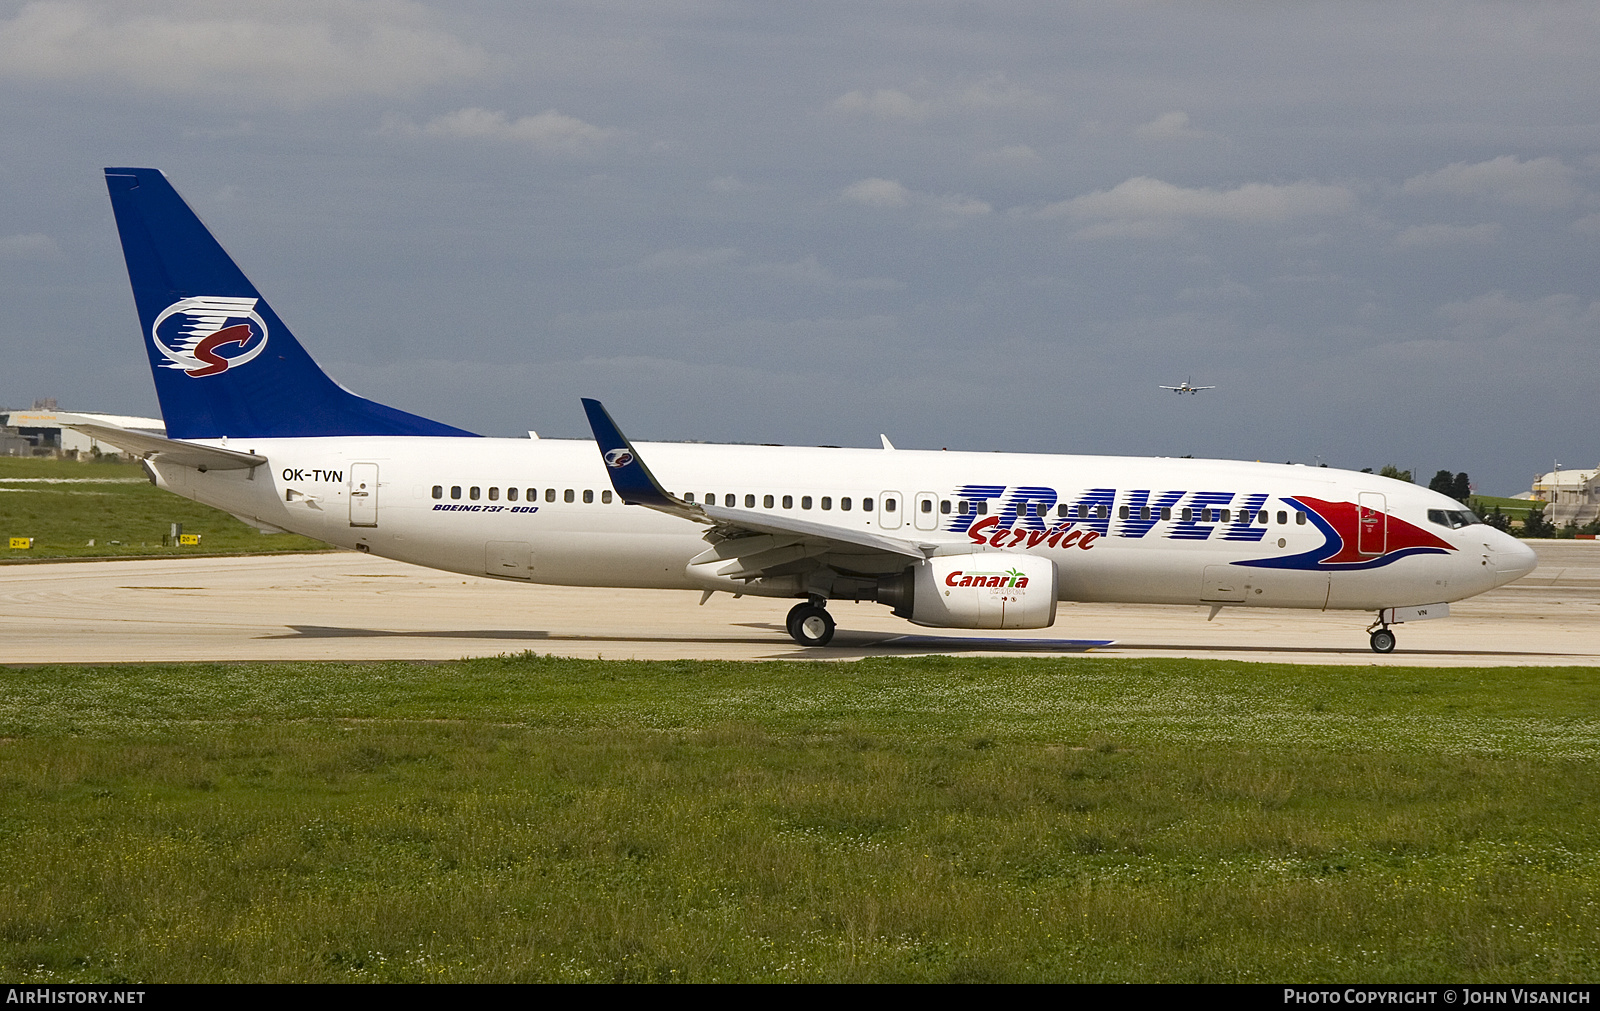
x,y
847,644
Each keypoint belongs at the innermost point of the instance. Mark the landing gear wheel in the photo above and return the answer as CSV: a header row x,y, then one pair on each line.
x,y
1383,641
810,624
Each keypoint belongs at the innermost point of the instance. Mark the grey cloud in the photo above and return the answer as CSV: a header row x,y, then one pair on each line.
x,y
549,131
1545,183
891,193
1435,236
30,247
1142,204
271,54
1170,126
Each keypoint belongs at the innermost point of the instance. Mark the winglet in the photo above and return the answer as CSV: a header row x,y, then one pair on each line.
x,y
629,476
886,443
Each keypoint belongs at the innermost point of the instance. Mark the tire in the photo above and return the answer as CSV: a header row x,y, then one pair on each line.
x,y
810,624
1383,641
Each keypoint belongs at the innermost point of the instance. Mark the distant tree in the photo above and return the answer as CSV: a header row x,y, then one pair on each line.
x,y
1535,525
1442,482
1497,519
1390,470
1366,470
1461,488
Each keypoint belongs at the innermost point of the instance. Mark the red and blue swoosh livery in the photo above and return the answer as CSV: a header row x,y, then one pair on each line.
x,y
1340,551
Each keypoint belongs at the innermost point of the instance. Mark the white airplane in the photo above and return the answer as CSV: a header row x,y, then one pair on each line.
x,y
1184,387
948,540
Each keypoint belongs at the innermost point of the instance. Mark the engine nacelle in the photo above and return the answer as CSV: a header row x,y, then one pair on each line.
x,y
988,589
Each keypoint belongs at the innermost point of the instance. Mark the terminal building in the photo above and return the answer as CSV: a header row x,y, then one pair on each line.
x,y
41,431
1574,496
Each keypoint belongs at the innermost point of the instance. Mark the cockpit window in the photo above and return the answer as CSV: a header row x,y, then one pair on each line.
x,y
1452,518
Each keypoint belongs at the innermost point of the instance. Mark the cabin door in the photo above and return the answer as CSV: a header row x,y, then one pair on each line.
x,y
1372,524
364,495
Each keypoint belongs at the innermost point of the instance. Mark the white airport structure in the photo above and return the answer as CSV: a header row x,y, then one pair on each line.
x,y
1574,495
42,430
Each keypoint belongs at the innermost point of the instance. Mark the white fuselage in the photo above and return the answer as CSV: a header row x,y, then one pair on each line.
x,y
1119,529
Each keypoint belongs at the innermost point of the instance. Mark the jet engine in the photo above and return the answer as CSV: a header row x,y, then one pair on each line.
x,y
989,589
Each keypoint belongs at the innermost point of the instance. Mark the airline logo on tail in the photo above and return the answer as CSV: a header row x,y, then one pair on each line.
x,y
194,333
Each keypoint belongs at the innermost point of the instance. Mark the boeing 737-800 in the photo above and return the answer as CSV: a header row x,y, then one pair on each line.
x,y
948,540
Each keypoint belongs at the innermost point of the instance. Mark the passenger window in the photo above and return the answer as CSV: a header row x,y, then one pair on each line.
x,y
1144,512
1061,510
438,491
1300,517
888,505
788,501
1166,512
1283,517
927,505
866,505
533,494
827,503
455,491
605,498
549,494
568,496
805,501
1122,513
1261,517
729,499
983,507
688,497
494,494
961,508
588,495
472,493
766,501
711,498
749,501
1187,514
1224,515
844,504
944,506
511,494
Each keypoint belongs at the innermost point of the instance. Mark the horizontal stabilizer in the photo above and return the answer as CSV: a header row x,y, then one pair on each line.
x,y
185,454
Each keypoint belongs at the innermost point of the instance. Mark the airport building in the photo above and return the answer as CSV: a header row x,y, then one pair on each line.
x,y
1574,495
41,431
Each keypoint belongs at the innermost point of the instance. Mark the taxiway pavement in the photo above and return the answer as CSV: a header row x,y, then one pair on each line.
x,y
348,606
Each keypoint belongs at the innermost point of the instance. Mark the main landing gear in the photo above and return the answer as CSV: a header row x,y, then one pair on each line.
x,y
1381,638
810,623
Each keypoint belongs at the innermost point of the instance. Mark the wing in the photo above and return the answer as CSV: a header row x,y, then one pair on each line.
x,y
749,546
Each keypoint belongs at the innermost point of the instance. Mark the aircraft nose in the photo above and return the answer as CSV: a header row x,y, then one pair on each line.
x,y
1512,558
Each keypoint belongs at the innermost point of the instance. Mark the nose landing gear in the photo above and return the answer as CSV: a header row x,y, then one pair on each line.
x,y
1381,638
810,624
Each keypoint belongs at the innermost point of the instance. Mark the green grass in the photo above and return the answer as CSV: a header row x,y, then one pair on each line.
x,y
936,819
113,505
1515,508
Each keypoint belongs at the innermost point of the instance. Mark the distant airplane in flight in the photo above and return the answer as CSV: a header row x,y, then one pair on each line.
x,y
1186,388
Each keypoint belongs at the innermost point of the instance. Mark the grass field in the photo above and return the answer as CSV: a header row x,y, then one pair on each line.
x,y
63,505
530,818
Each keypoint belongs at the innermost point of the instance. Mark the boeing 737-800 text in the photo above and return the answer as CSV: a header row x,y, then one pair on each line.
x,y
948,540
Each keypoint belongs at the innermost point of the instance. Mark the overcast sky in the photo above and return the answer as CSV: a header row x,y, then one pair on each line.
x,y
1374,226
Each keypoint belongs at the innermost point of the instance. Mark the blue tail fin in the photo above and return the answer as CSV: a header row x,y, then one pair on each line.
x,y
224,363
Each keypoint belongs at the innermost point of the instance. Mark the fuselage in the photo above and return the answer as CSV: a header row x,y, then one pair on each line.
x,y
1134,530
